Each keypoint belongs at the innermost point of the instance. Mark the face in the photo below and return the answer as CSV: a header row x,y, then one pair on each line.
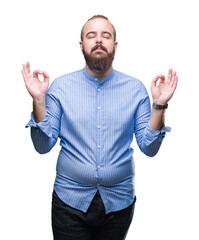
x,y
98,44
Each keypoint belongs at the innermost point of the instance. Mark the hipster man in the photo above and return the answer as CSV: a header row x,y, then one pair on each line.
x,y
96,112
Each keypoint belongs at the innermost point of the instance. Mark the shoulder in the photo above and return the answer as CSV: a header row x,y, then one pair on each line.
x,y
129,80
72,75
65,82
66,78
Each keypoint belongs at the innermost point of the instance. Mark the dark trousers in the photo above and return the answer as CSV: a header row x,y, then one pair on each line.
x,y
71,224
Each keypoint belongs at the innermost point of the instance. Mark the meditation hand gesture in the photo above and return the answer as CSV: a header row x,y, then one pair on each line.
x,y
35,87
164,90
37,90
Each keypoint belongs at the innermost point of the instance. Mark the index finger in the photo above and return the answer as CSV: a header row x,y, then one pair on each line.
x,y
155,80
45,75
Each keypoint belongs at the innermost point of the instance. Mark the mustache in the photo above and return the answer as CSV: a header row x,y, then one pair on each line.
x,y
99,46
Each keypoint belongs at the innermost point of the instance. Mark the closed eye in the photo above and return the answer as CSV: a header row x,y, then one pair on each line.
x,y
107,35
90,34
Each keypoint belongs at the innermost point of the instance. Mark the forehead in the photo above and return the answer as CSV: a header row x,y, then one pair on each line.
x,y
98,25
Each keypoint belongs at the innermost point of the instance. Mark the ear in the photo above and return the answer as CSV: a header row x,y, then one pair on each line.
x,y
115,44
81,45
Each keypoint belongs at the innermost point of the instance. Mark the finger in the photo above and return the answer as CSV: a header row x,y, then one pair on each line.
x,y
46,77
24,77
169,75
175,82
173,78
24,68
37,72
28,66
24,72
162,78
154,81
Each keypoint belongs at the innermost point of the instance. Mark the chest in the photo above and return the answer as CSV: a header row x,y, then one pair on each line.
x,y
105,108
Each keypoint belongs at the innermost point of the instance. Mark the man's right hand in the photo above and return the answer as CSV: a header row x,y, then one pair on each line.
x,y
35,87
37,90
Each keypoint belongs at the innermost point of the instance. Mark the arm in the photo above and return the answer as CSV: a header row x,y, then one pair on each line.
x,y
149,125
148,140
161,94
45,119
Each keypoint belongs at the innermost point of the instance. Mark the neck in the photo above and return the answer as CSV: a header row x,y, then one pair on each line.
x,y
99,74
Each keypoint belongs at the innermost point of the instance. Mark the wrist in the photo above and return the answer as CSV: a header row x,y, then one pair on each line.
x,y
160,106
39,100
39,109
160,102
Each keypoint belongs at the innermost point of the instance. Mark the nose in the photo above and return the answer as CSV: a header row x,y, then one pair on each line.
x,y
98,39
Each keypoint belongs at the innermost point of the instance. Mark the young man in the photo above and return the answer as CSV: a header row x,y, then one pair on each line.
x,y
95,112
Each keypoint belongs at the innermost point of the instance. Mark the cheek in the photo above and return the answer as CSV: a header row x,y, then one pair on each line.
x,y
111,48
87,47
109,45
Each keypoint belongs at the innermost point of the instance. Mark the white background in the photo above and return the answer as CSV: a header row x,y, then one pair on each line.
x,y
153,36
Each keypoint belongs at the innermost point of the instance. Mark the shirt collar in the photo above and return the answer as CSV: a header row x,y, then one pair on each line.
x,y
96,80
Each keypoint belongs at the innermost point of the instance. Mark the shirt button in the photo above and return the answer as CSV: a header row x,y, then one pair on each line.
x,y
99,127
96,79
98,89
98,146
99,108
98,167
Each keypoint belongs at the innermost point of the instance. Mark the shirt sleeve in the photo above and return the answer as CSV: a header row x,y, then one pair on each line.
x,y
148,140
45,133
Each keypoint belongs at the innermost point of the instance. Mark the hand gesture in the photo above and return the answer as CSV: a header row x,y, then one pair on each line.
x,y
164,90
35,87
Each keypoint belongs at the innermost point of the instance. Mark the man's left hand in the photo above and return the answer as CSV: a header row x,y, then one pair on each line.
x,y
162,91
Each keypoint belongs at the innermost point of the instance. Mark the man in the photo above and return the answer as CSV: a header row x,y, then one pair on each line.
x,y
95,112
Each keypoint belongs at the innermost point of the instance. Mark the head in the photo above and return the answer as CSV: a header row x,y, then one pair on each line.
x,y
98,43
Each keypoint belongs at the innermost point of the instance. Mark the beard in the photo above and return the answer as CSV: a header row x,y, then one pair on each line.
x,y
99,64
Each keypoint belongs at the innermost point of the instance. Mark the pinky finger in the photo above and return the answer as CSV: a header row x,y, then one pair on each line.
x,y
24,76
175,82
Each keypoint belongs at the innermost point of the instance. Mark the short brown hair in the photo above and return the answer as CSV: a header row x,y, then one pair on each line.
x,y
98,16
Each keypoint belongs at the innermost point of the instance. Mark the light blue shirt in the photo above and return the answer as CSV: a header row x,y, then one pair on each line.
x,y
96,123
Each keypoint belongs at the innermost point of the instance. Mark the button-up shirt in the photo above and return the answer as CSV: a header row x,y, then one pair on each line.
x,y
96,123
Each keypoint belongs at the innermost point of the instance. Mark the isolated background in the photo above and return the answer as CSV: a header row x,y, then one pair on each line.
x,y
153,36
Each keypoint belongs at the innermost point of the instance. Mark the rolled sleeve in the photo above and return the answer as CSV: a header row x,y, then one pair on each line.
x,y
44,125
149,140
151,135
152,140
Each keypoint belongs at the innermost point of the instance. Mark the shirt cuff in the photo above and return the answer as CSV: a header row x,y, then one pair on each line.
x,y
151,135
44,125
